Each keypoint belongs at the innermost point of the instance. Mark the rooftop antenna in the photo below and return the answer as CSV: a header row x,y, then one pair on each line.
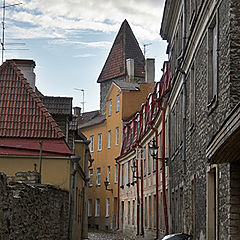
x,y
82,90
145,45
3,26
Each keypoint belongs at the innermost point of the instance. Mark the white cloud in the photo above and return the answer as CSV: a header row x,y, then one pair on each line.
x,y
85,55
54,18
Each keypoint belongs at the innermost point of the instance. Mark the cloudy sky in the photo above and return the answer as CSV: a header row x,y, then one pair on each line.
x,y
70,39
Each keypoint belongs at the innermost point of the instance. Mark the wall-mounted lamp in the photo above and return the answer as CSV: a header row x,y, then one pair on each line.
x,y
134,169
91,160
106,183
153,152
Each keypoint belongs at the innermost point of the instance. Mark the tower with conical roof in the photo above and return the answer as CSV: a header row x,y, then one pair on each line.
x,y
125,47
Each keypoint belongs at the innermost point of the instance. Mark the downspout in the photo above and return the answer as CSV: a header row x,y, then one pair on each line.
x,y
86,155
142,228
75,160
184,89
138,199
163,172
118,199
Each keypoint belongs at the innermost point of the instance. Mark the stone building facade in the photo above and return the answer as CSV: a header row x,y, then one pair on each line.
x,y
202,41
32,211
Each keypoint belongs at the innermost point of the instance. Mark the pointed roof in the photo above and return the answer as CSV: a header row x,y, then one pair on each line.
x,y
125,46
22,114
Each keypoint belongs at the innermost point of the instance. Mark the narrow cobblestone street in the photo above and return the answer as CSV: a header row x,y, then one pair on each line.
x,y
97,235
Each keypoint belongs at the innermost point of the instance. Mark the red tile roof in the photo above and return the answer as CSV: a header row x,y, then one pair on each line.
x,y
31,147
125,46
22,114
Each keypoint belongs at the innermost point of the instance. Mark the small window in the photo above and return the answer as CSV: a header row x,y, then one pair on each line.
x,y
122,174
89,207
97,208
117,136
133,212
110,108
117,103
90,178
108,174
116,173
98,178
144,161
149,161
109,139
129,212
99,142
91,143
129,171
212,64
107,207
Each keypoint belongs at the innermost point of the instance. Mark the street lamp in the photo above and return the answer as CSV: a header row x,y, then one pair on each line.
x,y
154,150
91,160
106,183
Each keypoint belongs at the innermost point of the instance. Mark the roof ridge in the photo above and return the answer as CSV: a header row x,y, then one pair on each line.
x,y
56,130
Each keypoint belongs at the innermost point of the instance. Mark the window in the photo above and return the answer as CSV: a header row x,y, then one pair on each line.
x,y
129,211
90,177
89,207
133,212
109,139
97,208
146,211
123,174
99,142
116,136
108,174
149,161
116,173
150,211
154,212
110,107
117,103
91,143
144,161
212,64
107,206
98,179
129,172
192,96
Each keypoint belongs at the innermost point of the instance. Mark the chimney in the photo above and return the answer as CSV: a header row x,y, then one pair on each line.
x,y
27,69
130,69
149,70
77,111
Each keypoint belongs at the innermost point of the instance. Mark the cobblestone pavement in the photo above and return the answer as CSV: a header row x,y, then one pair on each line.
x,y
98,235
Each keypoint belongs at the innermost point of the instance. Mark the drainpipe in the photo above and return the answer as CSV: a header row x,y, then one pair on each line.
x,y
118,199
75,160
138,198
157,184
163,172
84,205
142,228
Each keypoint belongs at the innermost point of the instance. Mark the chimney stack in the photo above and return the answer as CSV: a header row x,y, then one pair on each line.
x,y
130,69
149,70
27,69
77,111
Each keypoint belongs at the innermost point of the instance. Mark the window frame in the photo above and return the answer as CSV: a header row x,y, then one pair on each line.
x,y
110,107
109,139
107,207
98,177
89,209
117,103
100,142
117,136
97,207
92,143
90,172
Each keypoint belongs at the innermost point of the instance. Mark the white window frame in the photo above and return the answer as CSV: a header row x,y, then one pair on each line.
x,y
116,173
91,143
89,207
107,207
117,136
100,142
117,103
109,139
108,173
98,177
110,107
97,208
90,183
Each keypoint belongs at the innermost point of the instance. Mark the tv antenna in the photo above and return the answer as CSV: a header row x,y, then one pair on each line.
x,y
4,6
82,90
145,45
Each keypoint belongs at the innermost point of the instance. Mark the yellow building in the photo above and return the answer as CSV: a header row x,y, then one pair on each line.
x,y
32,142
123,89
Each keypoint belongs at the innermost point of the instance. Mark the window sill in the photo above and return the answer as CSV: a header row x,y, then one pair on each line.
x,y
98,185
99,150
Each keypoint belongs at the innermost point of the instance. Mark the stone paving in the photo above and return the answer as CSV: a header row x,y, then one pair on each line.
x,y
97,235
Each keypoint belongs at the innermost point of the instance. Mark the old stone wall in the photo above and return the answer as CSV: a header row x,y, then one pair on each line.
x,y
207,123
32,211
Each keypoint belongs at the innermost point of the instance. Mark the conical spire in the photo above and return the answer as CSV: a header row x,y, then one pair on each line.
x,y
125,46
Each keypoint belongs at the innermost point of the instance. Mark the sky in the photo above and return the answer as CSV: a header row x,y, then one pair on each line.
x,y
70,40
